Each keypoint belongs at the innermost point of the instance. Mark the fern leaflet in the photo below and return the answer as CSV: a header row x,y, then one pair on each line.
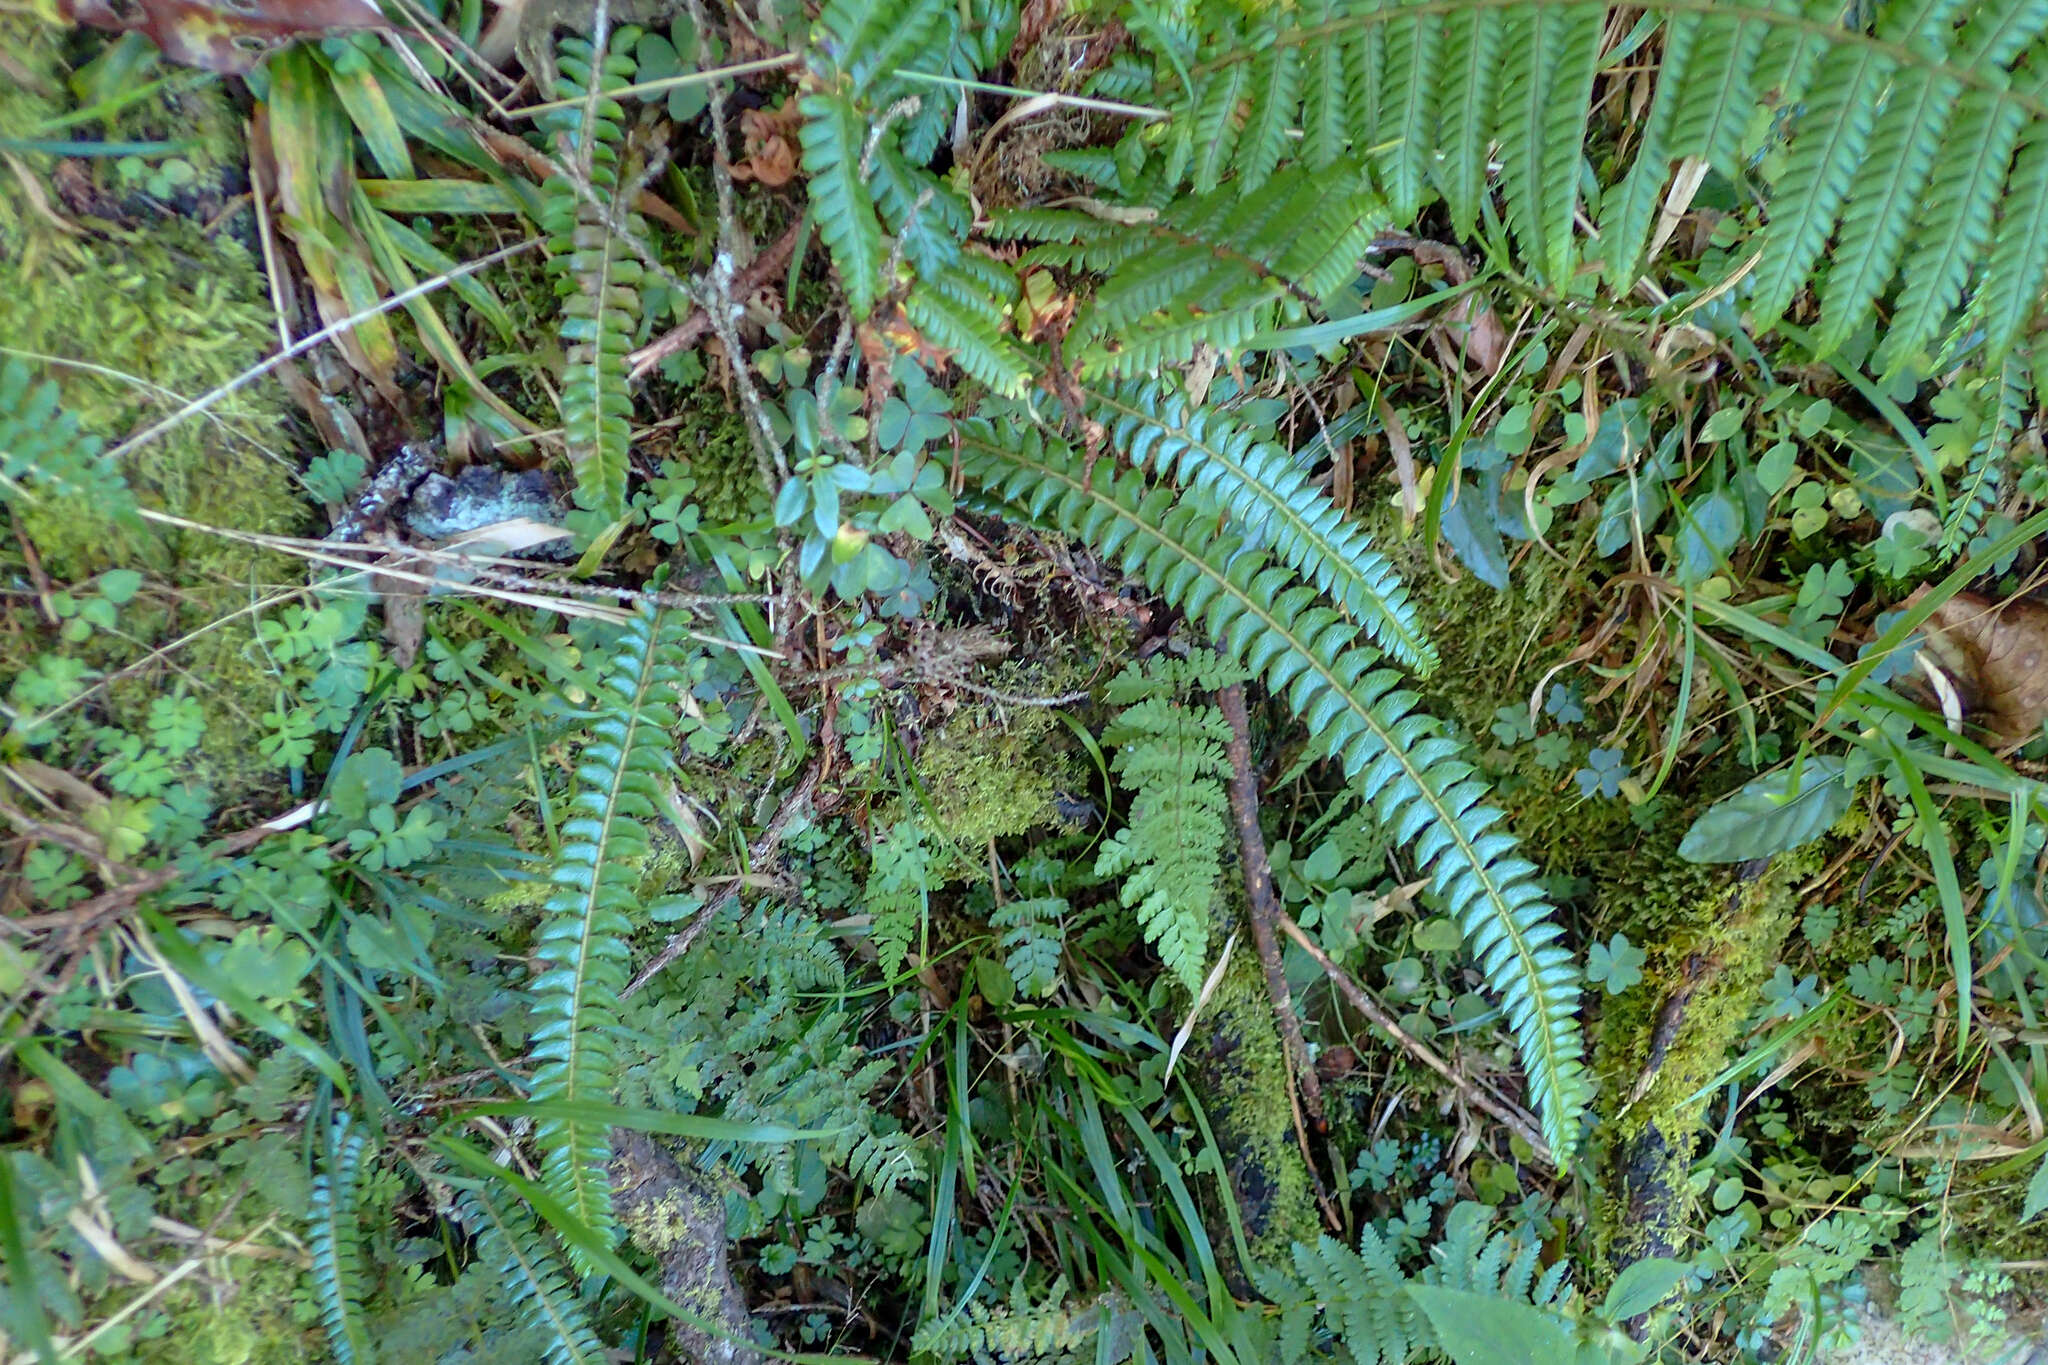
x,y
508,1240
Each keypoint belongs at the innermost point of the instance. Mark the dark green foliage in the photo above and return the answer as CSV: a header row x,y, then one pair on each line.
x,y
1211,269
597,277
1422,786
582,945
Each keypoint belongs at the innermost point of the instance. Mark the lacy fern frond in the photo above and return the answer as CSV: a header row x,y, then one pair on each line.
x,y
534,1278
596,276
1215,269
1170,853
582,944
1057,1332
1033,940
1272,499
336,1246
897,880
1914,156
1421,786
1363,1297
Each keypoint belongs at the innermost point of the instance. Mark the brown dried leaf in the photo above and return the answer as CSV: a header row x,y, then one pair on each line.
x,y
1997,655
229,36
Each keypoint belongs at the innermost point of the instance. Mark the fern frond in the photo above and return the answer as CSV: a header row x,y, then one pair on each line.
x,y
336,1246
1170,854
597,278
508,1240
833,138
1546,89
1326,114
1364,1297
1276,81
1404,125
1214,268
2011,286
1272,499
1629,209
1021,1333
1033,940
1215,128
1985,472
582,944
1421,787
896,891
867,40
965,310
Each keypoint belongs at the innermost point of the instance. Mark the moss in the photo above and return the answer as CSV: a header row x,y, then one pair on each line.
x,y
1240,1069
163,311
1709,955
990,777
259,1315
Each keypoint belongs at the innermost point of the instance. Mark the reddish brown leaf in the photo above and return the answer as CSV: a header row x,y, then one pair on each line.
x,y
229,36
1997,655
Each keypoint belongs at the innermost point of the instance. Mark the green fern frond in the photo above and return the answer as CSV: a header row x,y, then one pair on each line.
x,y
1057,1332
1985,472
898,878
1214,268
1033,940
964,310
833,137
1898,167
336,1246
869,40
1272,499
1364,1297
533,1277
596,276
1421,786
1170,853
582,944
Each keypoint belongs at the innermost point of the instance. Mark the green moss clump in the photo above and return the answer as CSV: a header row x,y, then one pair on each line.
x,y
154,314
1240,1068
990,779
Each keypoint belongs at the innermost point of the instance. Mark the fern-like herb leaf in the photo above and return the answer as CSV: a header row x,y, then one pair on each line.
x,y
582,945
1420,785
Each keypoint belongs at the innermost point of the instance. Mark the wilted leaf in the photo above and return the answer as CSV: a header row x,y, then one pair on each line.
x,y
1994,652
230,36
1766,817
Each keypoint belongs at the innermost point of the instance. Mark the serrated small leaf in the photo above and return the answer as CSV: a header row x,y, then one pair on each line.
x,y
1766,817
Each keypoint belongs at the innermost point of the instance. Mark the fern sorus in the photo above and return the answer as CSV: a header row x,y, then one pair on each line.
x,y
596,276
1420,784
1169,753
582,945
336,1248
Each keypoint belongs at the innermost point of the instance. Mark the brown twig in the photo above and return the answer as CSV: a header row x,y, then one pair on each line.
x,y
1264,907
1517,1120
697,325
759,853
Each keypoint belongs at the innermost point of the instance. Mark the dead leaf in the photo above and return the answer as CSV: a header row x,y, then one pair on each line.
x,y
230,36
767,137
1997,655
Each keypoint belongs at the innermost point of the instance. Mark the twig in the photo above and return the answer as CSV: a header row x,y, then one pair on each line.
x,y
697,325
1264,907
1518,1121
761,851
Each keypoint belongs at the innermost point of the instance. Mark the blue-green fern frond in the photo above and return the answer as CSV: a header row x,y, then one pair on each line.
x,y
336,1246
1273,500
508,1240
1421,786
582,945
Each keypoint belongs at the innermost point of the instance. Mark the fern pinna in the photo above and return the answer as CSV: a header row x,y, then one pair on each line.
x,y
582,945
1421,786
1914,137
508,1240
596,277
